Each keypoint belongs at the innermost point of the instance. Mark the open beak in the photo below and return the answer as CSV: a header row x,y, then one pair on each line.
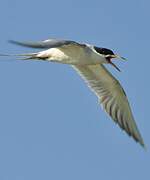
x,y
118,57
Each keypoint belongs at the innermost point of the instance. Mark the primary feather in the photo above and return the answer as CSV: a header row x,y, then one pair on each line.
x,y
50,43
111,96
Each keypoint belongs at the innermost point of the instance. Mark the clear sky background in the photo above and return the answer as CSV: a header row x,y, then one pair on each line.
x,y
51,126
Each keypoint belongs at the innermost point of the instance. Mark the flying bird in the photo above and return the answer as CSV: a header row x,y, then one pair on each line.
x,y
88,60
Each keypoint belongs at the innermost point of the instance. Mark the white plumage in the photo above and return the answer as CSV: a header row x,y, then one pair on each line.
x,y
88,61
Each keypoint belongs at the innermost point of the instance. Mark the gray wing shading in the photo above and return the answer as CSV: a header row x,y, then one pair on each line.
x,y
50,43
111,96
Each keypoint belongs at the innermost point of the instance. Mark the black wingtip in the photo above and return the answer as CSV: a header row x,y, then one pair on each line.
x,y
16,42
12,41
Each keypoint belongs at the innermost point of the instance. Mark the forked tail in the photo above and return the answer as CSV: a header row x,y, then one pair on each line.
x,y
27,56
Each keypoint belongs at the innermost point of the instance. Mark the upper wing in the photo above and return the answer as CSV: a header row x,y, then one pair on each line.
x,y
50,43
111,96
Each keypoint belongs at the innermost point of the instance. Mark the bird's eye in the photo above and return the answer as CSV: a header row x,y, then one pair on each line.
x,y
103,51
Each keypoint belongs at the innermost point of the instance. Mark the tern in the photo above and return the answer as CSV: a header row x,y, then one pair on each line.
x,y
89,60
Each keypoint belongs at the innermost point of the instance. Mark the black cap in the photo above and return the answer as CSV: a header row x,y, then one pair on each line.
x,y
103,51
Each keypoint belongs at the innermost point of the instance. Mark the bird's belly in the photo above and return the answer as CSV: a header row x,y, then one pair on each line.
x,y
71,56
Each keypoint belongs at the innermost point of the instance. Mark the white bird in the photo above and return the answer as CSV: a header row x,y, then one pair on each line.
x,y
88,61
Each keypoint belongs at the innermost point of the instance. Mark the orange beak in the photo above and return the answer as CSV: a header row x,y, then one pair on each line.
x,y
118,57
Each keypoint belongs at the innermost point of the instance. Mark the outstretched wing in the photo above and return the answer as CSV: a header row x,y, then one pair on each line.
x,y
52,48
111,96
46,44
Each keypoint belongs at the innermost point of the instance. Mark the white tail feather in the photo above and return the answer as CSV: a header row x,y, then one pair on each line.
x,y
22,56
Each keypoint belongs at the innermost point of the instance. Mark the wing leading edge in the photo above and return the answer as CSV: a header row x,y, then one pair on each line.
x,y
50,43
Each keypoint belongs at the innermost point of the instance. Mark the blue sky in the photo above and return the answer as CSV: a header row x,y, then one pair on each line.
x,y
51,126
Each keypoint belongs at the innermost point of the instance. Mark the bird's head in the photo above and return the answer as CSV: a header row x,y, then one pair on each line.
x,y
109,55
